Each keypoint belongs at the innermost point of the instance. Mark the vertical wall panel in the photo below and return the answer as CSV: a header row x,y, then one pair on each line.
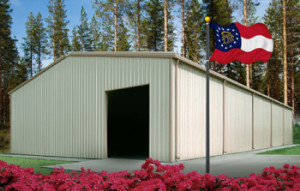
x,y
277,124
62,111
216,116
288,126
238,127
262,122
191,113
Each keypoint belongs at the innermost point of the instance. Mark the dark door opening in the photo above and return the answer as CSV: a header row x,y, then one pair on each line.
x,y
128,123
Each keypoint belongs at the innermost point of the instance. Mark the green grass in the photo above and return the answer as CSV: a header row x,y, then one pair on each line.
x,y
36,164
287,151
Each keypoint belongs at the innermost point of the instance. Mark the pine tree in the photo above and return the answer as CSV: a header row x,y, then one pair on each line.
x,y
8,58
107,43
183,28
109,11
249,9
293,41
76,43
273,20
29,45
194,28
57,28
95,34
84,31
123,36
285,88
135,14
153,25
40,40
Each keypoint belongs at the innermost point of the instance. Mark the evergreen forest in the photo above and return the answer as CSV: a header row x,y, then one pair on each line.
x,y
153,25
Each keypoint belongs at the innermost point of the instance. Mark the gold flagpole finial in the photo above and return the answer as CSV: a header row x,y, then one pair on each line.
x,y
207,19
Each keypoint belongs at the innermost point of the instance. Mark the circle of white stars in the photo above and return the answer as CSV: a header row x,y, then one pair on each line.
x,y
228,46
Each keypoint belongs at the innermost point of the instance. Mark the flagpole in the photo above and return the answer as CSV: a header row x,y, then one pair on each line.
x,y
207,19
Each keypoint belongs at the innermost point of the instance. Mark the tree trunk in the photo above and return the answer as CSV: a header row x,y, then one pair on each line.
x,y
166,25
1,103
247,66
53,31
183,29
268,88
284,53
116,24
293,80
277,70
139,32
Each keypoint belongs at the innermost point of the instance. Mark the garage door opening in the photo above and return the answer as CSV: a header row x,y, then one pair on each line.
x,y
128,123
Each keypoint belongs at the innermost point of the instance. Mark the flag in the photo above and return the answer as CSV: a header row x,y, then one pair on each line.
x,y
242,43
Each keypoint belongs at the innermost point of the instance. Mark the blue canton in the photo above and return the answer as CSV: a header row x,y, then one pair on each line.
x,y
227,38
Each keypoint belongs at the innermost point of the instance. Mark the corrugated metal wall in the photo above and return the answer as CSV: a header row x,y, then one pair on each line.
x,y
261,122
238,119
277,124
288,124
62,112
191,113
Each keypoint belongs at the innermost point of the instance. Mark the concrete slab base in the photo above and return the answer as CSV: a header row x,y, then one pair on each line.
x,y
233,165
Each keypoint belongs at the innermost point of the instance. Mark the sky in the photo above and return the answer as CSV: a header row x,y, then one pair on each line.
x,y
22,8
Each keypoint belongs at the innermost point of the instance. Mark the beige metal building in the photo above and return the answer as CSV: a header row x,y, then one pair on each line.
x,y
105,104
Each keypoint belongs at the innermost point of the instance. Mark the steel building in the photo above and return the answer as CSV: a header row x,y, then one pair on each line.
x,y
139,104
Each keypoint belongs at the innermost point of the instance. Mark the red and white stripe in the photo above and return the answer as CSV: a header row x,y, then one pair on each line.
x,y
257,44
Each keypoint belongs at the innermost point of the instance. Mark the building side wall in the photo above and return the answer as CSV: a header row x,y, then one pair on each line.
x,y
63,111
191,116
238,117
261,123
288,127
277,125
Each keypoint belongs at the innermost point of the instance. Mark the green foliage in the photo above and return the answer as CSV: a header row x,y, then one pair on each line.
x,y
105,10
57,28
5,140
296,134
194,27
35,43
36,164
153,25
76,45
95,34
84,31
123,37
8,59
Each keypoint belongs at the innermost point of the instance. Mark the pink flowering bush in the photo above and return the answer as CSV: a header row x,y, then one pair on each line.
x,y
151,176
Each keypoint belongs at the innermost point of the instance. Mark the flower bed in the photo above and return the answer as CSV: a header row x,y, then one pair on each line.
x,y
152,176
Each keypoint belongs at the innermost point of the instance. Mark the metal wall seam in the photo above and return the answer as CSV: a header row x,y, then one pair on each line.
x,y
253,107
172,110
224,115
176,112
262,122
238,120
277,124
288,127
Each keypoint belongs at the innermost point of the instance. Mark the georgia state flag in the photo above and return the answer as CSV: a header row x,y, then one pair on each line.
x,y
245,44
